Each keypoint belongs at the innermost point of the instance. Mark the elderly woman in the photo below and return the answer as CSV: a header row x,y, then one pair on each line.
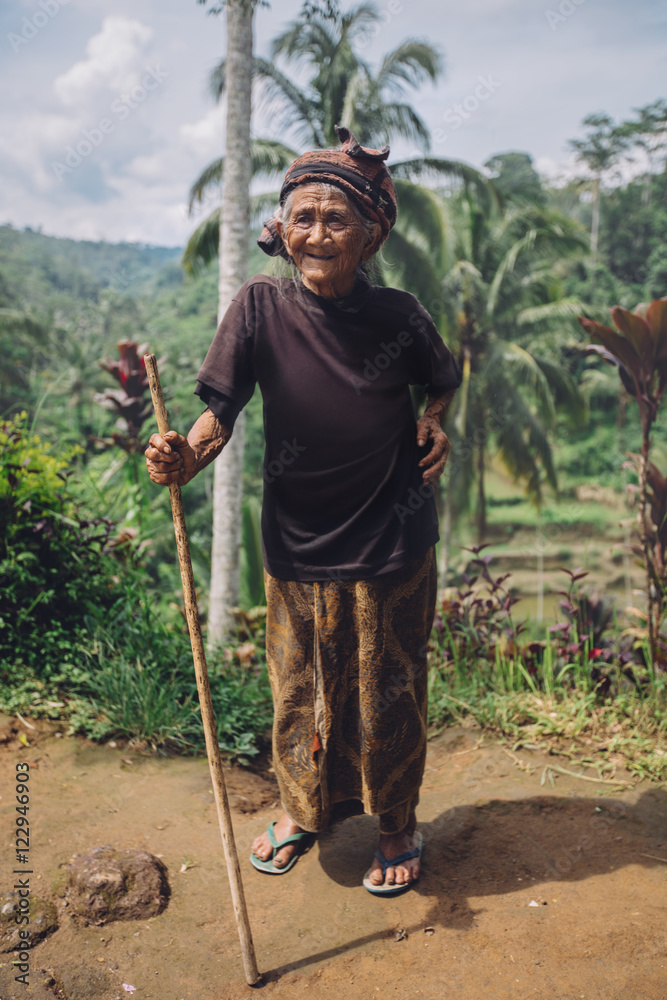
x,y
349,523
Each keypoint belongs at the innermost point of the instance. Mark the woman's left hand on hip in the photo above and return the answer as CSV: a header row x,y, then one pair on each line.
x,y
434,463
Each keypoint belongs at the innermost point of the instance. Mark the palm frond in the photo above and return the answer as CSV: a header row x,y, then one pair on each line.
x,y
263,205
402,120
203,246
521,438
421,214
217,80
564,390
209,177
550,314
411,267
522,369
316,33
268,157
435,168
298,108
507,265
411,64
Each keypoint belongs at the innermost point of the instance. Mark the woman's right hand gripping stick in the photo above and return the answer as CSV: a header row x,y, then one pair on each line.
x,y
170,459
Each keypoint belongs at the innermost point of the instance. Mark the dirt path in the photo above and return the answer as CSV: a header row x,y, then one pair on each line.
x,y
496,840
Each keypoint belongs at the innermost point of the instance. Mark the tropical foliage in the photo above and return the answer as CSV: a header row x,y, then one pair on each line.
x,y
499,296
91,624
344,89
638,348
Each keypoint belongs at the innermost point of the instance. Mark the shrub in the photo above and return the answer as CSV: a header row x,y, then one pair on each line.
x,y
55,564
140,684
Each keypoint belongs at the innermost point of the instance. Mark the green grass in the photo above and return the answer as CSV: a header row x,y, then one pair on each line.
x,y
558,709
570,513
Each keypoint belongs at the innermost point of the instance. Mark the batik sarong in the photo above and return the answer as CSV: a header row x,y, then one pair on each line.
x,y
347,663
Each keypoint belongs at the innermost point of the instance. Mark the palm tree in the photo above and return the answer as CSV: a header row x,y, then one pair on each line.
x,y
342,87
234,230
267,158
600,151
499,291
648,132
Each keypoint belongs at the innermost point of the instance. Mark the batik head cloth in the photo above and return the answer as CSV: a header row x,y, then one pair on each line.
x,y
358,171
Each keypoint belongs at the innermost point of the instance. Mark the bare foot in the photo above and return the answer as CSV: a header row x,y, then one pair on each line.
x,y
261,846
391,846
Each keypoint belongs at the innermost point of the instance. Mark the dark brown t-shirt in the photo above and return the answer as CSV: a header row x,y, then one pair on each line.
x,y
343,495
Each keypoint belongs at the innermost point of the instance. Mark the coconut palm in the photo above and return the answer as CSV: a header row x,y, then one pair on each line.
x,y
267,158
497,295
343,88
600,151
234,225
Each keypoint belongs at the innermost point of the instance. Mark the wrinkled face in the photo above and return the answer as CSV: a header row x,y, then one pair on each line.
x,y
325,239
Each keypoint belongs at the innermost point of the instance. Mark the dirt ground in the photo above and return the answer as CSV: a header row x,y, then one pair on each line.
x,y
500,836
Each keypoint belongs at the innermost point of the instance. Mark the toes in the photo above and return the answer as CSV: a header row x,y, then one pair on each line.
x,y
403,876
282,857
390,876
375,876
260,849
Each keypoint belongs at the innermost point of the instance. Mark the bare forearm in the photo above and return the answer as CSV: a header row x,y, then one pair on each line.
x,y
175,459
207,438
429,426
437,406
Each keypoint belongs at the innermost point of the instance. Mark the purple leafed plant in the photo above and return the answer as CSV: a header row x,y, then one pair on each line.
x,y
478,615
638,348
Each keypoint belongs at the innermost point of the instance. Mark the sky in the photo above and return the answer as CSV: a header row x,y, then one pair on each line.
x,y
106,118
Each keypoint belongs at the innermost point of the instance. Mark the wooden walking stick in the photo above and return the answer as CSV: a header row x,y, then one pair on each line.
x,y
212,749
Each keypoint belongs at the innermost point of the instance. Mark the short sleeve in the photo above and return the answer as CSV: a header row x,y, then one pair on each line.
x,y
227,375
434,366
222,407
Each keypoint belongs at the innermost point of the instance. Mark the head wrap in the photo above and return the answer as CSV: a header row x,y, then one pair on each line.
x,y
358,171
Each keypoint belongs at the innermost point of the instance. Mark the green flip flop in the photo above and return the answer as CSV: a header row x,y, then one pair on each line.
x,y
268,866
394,890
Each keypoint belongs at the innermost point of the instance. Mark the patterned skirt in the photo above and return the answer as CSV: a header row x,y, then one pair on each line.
x,y
347,664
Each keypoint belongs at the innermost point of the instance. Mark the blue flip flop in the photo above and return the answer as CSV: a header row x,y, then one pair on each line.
x,y
268,865
394,890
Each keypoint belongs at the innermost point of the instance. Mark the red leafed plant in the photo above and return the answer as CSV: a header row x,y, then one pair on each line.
x,y
638,347
131,403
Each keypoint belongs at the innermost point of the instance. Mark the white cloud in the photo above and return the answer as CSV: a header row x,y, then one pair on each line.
x,y
112,60
205,137
83,65
26,146
557,171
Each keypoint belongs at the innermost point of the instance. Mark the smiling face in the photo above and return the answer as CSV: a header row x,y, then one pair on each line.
x,y
325,239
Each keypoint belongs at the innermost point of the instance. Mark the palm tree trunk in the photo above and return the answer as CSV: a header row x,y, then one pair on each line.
x,y
595,224
234,233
